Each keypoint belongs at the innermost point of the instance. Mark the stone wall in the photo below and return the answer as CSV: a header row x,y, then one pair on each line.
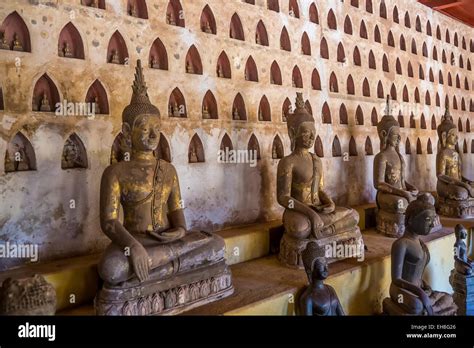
x,y
35,206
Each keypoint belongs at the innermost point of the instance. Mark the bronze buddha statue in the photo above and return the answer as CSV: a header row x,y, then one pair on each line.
x,y
455,192
310,214
409,293
318,299
154,264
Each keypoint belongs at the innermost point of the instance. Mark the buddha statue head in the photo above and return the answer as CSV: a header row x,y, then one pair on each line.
x,y
447,130
315,264
420,215
388,129
141,119
460,232
300,123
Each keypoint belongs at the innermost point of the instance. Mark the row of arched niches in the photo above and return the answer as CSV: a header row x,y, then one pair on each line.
x,y
20,154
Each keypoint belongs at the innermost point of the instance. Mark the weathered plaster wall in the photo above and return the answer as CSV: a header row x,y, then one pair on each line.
x,y
35,206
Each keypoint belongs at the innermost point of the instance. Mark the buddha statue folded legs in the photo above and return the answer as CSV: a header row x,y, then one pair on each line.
x,y
154,265
310,214
409,293
455,192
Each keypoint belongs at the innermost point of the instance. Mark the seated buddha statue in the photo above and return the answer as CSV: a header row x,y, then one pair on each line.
x,y
318,299
154,264
409,293
455,192
393,192
310,213
462,263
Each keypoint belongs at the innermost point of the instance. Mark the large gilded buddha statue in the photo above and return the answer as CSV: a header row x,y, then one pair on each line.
x,y
310,213
154,265
455,192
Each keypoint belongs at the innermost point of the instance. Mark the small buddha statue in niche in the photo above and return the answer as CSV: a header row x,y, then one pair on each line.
x,y
45,106
60,51
133,10
409,293
115,57
235,114
3,42
189,67
71,156
257,38
462,263
94,4
455,192
260,114
393,192
170,19
67,50
97,105
205,112
274,152
310,214
220,71
175,110
318,299
17,45
193,155
155,62
168,268
207,27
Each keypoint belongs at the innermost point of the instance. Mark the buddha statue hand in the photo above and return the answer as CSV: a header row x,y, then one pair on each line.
x,y
169,236
325,208
141,261
316,222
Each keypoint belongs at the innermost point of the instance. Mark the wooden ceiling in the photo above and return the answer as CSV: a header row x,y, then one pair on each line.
x,y
461,10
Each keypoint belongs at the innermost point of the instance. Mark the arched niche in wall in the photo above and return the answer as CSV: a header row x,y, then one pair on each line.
x,y
308,107
412,121
196,150
264,110
193,63
251,72
158,57
368,6
294,9
390,39
175,13
383,10
336,147
117,52
332,21
422,122
286,109
296,78
273,5
464,147
261,35
14,34
254,147
372,64
369,151
121,149
356,57
348,25
70,43
137,8
305,44
177,104
359,116
363,31
45,95
238,108
223,66
380,91
209,106
208,21
313,14
94,3
401,120
236,30
408,147
20,155
285,43
315,80
275,74
341,54
433,123
163,150
352,147
97,96
278,151
326,113
419,149
429,147
393,92
395,15
318,147
468,126
366,88
343,117
226,143
74,153
324,49
385,65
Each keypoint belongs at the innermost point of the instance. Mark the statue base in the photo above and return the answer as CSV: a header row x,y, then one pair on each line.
x,y
341,245
390,224
463,286
393,225
455,209
390,307
169,296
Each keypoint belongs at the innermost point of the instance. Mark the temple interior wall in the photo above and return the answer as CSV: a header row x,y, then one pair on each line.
x,y
35,206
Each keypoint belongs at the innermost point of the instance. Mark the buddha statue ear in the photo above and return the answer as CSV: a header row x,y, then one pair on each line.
x,y
126,130
444,136
292,135
383,137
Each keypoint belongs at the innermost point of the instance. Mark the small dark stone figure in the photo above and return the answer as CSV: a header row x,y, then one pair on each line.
x,y
462,263
28,296
409,293
318,298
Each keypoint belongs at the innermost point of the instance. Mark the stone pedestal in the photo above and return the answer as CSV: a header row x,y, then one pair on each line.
x,y
463,296
393,224
291,248
169,296
456,209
